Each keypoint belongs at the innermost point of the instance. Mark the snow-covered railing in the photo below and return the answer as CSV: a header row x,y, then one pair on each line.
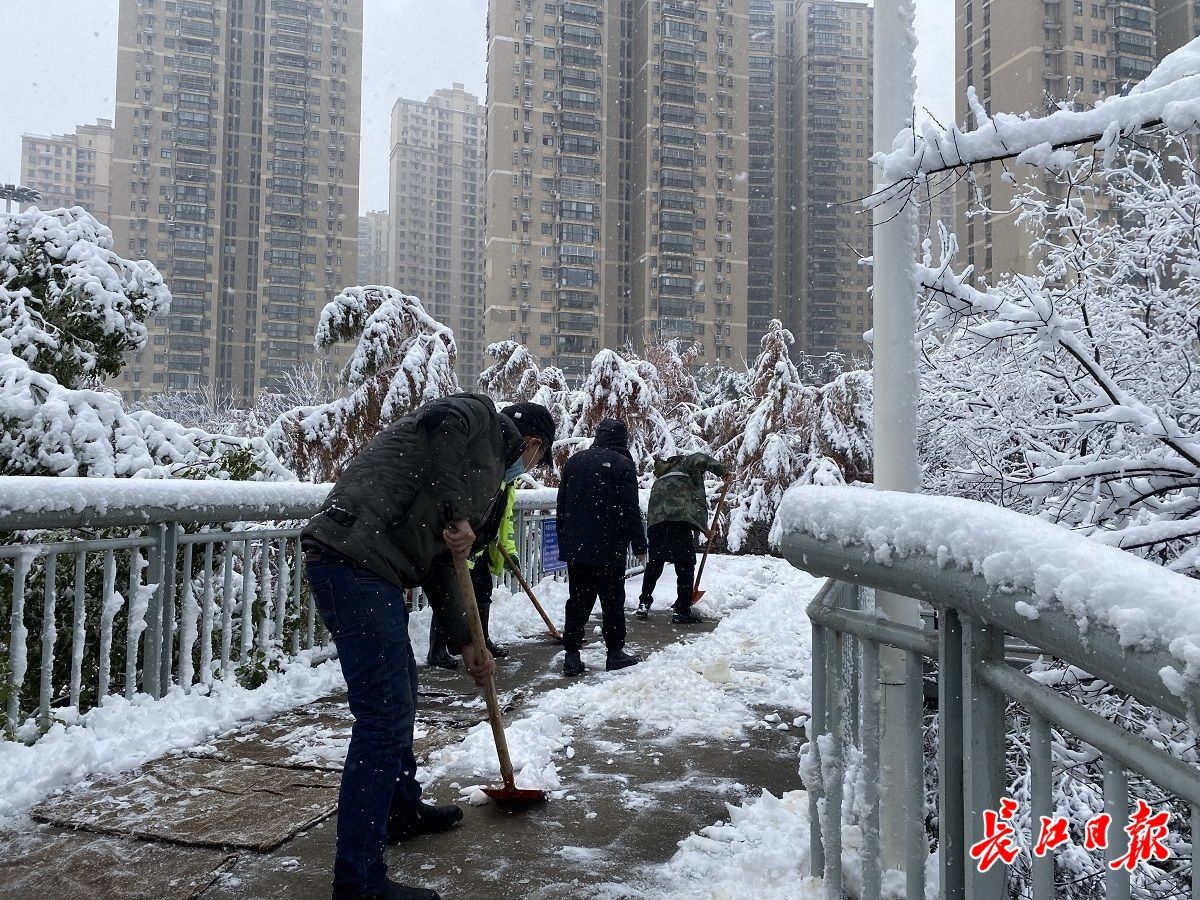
x,y
987,573
139,585
151,583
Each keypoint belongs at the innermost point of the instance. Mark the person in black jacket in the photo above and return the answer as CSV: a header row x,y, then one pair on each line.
x,y
598,519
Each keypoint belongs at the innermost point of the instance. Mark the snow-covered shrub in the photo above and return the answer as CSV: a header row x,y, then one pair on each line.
x,y
71,306
403,357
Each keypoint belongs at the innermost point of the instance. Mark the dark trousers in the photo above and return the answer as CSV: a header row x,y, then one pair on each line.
x,y
674,543
367,619
586,584
481,580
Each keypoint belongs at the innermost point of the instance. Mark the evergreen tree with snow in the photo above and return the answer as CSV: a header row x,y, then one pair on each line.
x,y
403,357
513,377
72,307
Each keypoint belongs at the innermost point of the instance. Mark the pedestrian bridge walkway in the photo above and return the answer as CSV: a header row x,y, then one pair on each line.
x,y
140,589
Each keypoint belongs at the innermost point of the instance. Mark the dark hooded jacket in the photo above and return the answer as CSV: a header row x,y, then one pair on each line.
x,y
598,513
442,462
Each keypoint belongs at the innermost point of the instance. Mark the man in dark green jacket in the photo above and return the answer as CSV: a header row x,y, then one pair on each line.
x,y
678,509
421,494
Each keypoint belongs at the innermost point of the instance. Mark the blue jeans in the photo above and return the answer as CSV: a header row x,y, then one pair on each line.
x,y
369,624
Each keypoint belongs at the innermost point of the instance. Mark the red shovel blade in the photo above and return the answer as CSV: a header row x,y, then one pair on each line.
x,y
696,596
515,795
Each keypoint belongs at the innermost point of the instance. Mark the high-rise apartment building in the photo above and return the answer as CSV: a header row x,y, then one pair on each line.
x,y
374,239
437,216
768,180
617,175
1177,22
1031,55
828,305
235,170
71,169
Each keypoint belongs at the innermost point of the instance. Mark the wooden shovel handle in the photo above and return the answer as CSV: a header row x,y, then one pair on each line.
x,y
712,536
529,592
481,653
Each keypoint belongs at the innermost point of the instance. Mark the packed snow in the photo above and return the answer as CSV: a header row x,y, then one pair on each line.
x,y
34,494
758,655
1147,606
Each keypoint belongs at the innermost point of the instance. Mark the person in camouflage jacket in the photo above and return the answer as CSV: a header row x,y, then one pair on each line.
x,y
678,509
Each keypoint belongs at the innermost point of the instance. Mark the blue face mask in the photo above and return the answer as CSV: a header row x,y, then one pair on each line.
x,y
514,471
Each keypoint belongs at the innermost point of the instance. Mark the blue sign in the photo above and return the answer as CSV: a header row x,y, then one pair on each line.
x,y
550,560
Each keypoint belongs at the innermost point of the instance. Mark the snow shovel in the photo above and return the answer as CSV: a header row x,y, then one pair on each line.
x,y
554,633
510,794
712,536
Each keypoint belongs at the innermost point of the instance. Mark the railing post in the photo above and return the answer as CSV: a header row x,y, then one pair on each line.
x,y
917,850
1041,791
951,827
872,859
78,628
833,765
817,726
17,636
153,638
50,596
984,748
170,572
1116,804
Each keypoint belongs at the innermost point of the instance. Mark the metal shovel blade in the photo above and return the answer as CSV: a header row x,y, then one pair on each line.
x,y
515,796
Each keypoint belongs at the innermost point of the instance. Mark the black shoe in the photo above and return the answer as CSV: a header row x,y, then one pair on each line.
x,y
497,650
643,610
686,618
425,818
441,658
390,891
619,659
573,665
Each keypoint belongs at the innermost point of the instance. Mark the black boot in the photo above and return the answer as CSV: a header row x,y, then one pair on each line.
x,y
389,891
619,659
573,665
424,818
485,615
643,610
438,655
686,617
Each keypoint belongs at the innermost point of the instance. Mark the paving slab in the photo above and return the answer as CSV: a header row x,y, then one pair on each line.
x,y
631,798
200,802
47,862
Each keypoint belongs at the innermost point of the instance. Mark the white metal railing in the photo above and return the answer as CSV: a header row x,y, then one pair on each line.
x,y
133,586
975,683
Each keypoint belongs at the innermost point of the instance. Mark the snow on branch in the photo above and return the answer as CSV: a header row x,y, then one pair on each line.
x,y
1169,97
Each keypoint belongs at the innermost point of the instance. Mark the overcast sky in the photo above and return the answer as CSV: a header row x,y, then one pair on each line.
x,y
61,59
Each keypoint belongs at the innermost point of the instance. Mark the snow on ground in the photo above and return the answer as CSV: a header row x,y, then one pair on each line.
x,y
708,686
1149,607
761,852
122,734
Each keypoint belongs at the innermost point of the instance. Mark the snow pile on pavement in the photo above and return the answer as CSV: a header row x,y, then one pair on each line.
x,y
1147,606
122,734
761,852
759,654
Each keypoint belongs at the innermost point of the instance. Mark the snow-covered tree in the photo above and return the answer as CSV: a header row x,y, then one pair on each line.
x,y
513,377
403,357
72,308
615,389
1073,393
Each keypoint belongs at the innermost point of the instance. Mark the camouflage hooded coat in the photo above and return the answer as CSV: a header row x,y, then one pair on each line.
x,y
678,492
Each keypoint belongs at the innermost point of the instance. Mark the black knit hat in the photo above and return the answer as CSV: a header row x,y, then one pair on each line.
x,y
534,420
